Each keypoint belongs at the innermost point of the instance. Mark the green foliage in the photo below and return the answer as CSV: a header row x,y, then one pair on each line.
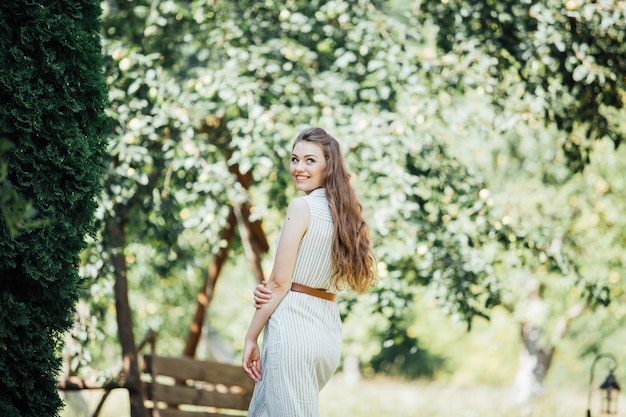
x,y
16,214
201,87
572,246
53,96
402,355
199,84
567,59
442,235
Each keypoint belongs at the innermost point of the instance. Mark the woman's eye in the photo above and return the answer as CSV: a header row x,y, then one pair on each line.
x,y
310,160
294,159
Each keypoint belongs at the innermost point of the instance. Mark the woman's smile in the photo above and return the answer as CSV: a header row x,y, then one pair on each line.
x,y
308,166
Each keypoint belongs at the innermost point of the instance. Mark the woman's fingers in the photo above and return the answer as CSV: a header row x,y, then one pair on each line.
x,y
257,370
251,360
262,295
253,370
252,363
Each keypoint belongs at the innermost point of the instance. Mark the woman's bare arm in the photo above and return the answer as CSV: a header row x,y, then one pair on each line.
x,y
279,282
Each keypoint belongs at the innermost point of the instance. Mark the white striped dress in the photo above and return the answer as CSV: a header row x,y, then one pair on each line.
x,y
302,338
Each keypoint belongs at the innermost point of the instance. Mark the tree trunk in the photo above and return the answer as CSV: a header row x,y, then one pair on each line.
x,y
537,351
206,294
252,235
533,366
133,383
253,240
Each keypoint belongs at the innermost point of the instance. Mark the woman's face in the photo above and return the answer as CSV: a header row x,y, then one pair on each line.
x,y
308,166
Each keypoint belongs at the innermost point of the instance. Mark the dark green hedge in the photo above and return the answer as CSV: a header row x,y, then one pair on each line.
x,y
52,95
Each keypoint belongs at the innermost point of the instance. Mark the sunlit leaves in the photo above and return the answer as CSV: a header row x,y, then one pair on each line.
x,y
569,58
202,88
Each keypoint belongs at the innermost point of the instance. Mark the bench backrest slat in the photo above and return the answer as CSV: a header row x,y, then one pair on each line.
x,y
182,394
187,368
195,384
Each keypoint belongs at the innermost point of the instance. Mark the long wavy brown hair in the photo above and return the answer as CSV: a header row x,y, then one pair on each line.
x,y
352,259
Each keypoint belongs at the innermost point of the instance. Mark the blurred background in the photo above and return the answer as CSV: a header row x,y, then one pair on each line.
x,y
483,139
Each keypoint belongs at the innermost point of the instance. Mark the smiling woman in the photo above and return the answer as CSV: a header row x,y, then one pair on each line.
x,y
308,166
324,247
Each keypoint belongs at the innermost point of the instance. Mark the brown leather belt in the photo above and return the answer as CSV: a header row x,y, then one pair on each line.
x,y
315,292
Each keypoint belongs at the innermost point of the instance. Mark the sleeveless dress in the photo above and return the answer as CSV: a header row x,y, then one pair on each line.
x,y
302,338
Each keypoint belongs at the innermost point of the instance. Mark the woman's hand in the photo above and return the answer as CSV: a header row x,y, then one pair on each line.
x,y
252,360
262,295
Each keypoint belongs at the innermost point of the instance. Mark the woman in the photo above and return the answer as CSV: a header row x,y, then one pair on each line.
x,y
323,248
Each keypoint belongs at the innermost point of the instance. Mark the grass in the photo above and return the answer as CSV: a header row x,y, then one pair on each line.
x,y
387,397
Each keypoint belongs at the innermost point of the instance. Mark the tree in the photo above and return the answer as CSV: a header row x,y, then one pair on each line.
x,y
203,91
554,73
199,88
53,97
548,281
567,59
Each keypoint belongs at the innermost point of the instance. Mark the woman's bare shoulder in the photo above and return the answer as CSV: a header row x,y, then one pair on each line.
x,y
298,205
298,212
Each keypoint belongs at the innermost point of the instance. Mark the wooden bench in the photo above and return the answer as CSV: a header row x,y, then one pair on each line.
x,y
184,387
